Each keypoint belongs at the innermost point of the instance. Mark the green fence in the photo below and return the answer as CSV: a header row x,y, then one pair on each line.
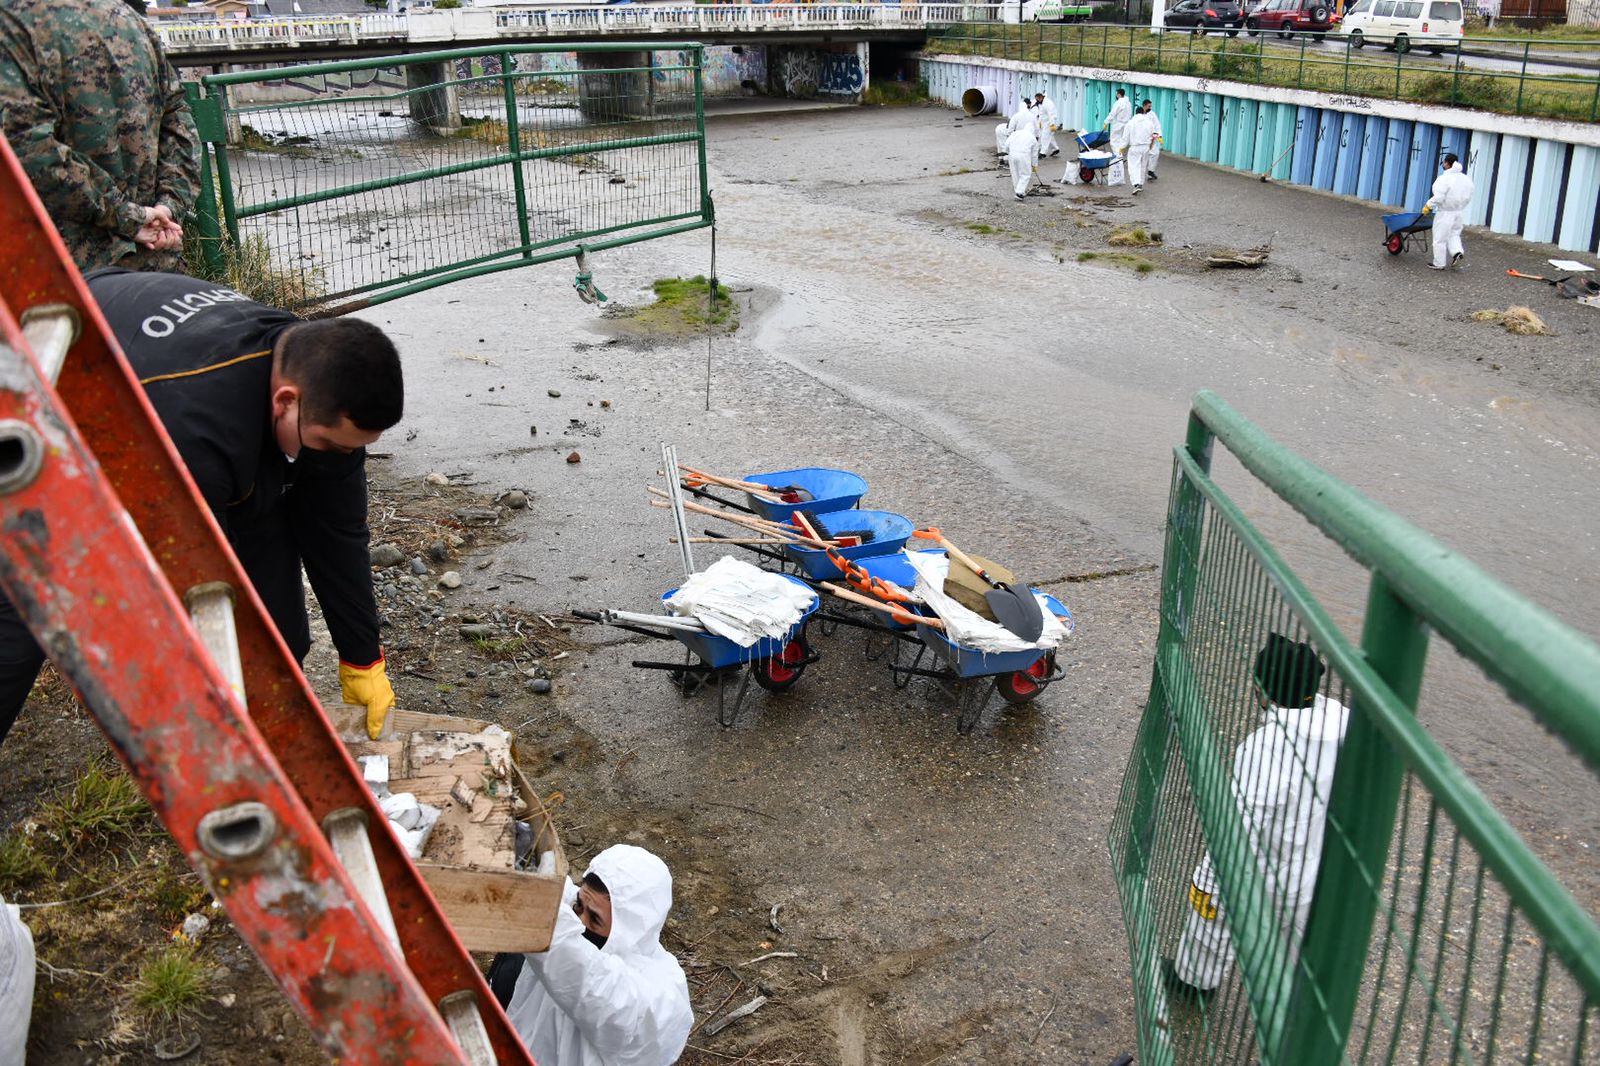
x,y
1293,901
356,182
1524,84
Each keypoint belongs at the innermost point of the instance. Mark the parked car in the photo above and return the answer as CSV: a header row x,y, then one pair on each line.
x,y
1284,17
1055,11
1405,24
1203,16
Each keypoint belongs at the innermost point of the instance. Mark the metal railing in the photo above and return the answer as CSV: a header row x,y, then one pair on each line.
x,y
179,37
1327,63
1306,877
365,191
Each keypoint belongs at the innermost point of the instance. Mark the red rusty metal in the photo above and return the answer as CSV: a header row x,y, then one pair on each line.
x,y
143,474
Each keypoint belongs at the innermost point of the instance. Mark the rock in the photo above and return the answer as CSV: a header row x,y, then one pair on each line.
x,y
476,631
437,478
555,394
450,580
478,515
387,555
438,551
418,567
574,457
195,926
605,403
533,431
538,686
516,499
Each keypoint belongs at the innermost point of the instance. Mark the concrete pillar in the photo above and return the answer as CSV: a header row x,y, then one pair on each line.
x,y
612,97
864,57
440,107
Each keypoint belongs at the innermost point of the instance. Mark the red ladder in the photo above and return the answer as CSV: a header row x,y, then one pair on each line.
x,y
260,794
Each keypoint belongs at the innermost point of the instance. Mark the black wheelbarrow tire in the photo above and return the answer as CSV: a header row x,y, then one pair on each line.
x,y
1024,686
1395,242
776,674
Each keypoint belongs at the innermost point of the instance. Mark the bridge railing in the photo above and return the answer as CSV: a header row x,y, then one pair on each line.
x,y
577,21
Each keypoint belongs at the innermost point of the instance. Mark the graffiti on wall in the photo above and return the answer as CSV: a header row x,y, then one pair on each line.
x,y
807,72
841,74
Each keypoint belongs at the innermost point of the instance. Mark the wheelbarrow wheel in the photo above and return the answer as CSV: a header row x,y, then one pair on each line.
x,y
781,671
1396,243
1025,685
1086,175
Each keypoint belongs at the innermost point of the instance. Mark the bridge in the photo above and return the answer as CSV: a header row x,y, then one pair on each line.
x,y
340,37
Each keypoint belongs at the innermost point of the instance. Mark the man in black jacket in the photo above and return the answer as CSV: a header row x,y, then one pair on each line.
x,y
272,416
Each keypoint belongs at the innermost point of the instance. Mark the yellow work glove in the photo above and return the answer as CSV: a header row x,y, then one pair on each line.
x,y
1427,210
1202,903
368,686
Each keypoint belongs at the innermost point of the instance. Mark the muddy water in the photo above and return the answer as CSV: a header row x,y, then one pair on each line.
x,y
995,386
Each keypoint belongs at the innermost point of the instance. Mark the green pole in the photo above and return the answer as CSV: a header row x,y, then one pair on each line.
x,y
1300,73
514,137
1455,78
1594,106
1105,41
1522,77
1363,801
1399,61
210,127
1347,64
706,207
230,212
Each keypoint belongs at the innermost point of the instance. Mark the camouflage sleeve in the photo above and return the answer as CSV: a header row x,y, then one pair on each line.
x,y
178,170
71,186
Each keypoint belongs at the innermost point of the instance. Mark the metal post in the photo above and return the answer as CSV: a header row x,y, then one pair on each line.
x,y
1594,106
1522,77
1361,808
1347,64
698,62
1159,36
1300,72
230,212
1455,77
1105,39
209,125
514,142
1399,61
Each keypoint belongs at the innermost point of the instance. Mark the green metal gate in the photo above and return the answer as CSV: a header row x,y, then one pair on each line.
x,y
352,183
1423,929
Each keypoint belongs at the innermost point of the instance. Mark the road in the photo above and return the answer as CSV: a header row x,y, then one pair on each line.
x,y
906,319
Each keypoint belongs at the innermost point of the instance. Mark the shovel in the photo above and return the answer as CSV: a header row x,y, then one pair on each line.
x,y
1016,610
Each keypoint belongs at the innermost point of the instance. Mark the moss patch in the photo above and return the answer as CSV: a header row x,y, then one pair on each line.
x,y
682,308
1136,263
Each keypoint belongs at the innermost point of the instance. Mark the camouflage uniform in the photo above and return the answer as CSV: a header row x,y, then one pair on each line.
x,y
96,114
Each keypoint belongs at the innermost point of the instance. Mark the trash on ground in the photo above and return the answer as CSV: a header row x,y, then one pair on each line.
x,y
1520,320
1230,258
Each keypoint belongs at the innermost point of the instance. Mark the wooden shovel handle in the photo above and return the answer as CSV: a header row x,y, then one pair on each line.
x,y
763,492
899,615
932,533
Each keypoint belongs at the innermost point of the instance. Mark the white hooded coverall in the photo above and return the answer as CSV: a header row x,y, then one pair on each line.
x,y
1452,191
626,1004
1003,132
1155,145
1282,776
16,984
1022,151
1047,142
1141,132
1117,121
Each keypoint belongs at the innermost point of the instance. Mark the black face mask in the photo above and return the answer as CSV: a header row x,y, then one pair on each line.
x,y
595,938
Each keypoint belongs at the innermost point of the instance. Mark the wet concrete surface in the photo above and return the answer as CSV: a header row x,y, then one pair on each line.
x,y
958,888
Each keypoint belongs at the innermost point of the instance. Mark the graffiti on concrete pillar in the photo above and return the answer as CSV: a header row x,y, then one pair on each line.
x,y
797,72
840,73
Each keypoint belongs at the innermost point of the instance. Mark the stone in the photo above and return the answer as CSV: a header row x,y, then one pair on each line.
x,y
437,479
555,394
418,567
387,555
450,580
516,499
195,926
533,431
538,686
574,457
438,551
477,631
605,403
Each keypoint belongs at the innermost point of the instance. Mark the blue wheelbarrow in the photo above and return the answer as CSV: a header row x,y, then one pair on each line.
x,y
775,663
1094,158
1402,229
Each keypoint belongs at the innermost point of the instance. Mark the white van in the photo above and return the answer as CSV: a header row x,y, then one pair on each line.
x,y
1405,24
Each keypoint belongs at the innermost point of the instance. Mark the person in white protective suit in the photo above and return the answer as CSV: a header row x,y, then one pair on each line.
x,y
1117,123
1022,154
1047,119
606,993
1155,145
1002,133
1141,135
16,984
1452,192
1281,780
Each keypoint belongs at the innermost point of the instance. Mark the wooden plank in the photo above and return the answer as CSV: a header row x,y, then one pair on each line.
x,y
497,910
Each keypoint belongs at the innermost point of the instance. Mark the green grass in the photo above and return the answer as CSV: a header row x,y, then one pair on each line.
x,y
102,806
173,985
1136,263
691,297
502,648
21,863
981,227
1132,237
248,268
1556,34
895,93
1367,72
